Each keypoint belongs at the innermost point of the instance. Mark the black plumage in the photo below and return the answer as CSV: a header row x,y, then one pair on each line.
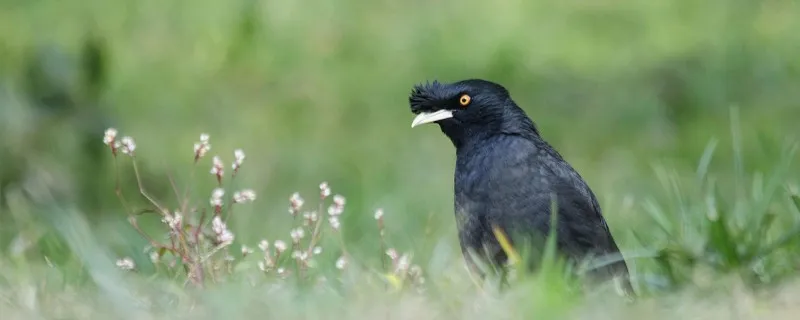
x,y
506,174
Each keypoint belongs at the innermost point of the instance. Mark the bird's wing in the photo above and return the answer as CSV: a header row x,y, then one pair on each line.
x,y
536,170
586,224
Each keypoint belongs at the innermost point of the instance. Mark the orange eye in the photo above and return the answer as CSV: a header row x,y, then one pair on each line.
x,y
464,100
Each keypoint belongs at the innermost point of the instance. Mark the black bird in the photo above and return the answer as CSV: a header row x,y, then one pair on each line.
x,y
506,174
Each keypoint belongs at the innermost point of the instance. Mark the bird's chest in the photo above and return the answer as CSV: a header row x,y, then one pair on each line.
x,y
486,177
484,184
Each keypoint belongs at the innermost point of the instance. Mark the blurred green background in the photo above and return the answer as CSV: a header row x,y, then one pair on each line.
x,y
317,91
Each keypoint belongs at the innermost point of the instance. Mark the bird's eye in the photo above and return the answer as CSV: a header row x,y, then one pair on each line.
x,y
464,100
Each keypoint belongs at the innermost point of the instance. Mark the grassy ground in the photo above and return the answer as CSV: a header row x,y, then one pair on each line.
x,y
680,114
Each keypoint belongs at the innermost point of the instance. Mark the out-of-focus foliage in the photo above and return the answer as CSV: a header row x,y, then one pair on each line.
x,y
317,91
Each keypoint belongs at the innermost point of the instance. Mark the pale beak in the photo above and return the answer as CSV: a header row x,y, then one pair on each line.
x,y
428,117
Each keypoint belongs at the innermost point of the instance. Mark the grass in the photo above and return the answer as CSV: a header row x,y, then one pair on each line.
x,y
680,114
731,250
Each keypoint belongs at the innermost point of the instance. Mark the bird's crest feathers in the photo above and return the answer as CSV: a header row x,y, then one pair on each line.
x,y
426,97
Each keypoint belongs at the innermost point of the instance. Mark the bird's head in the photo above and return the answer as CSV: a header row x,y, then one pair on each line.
x,y
468,108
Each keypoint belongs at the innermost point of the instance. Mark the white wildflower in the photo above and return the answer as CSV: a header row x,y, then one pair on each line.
x,y
224,236
309,218
243,196
324,190
173,221
126,264
403,263
217,168
317,250
392,253
109,136
297,234
280,246
263,245
217,225
338,200
297,203
238,158
337,207
128,145
155,257
335,224
202,147
341,263
216,197
335,210
246,250
378,214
